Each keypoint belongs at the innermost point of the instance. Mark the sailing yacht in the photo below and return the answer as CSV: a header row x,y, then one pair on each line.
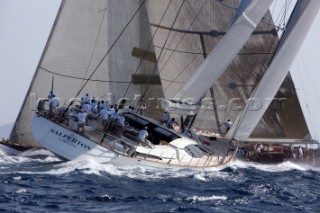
x,y
180,52
166,148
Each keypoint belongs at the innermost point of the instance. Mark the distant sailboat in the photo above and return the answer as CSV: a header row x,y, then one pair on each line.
x,y
297,28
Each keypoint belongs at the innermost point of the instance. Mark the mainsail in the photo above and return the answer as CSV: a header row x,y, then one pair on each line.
x,y
93,48
299,24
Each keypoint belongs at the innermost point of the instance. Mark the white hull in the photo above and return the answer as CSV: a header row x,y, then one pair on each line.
x,y
69,145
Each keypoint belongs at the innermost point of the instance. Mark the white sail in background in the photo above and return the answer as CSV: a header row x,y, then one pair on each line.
x,y
91,44
297,29
306,79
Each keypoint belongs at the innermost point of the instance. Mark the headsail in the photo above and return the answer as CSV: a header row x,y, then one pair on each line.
x,y
86,30
89,46
298,26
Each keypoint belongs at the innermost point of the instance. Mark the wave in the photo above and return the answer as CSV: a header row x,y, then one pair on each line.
x,y
279,167
44,162
203,198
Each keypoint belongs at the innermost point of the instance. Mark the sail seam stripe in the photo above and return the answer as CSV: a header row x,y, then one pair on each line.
x,y
160,54
200,53
151,41
160,70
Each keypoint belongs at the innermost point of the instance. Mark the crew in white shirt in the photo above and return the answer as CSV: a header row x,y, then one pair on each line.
x,y
112,120
165,117
81,120
106,105
143,134
104,118
53,105
86,98
87,108
120,123
50,95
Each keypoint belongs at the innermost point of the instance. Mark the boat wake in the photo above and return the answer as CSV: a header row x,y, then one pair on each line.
x,y
44,162
279,167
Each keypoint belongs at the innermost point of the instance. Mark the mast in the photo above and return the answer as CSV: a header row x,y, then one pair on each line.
x,y
243,5
297,28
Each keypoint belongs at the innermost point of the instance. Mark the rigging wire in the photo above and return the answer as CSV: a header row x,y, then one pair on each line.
x,y
150,43
107,53
313,126
95,43
175,49
84,79
201,53
234,8
179,74
193,21
242,115
282,18
156,66
282,21
172,40
179,44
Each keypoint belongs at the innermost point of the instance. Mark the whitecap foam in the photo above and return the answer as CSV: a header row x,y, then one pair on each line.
x,y
139,172
17,178
19,191
209,176
279,167
196,198
36,152
133,172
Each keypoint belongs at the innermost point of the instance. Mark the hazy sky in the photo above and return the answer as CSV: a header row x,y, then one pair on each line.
x,y
24,29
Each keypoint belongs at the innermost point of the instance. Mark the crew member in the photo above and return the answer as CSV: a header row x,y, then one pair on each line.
x,y
143,135
81,120
228,125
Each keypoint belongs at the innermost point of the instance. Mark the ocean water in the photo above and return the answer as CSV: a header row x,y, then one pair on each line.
x,y
36,181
